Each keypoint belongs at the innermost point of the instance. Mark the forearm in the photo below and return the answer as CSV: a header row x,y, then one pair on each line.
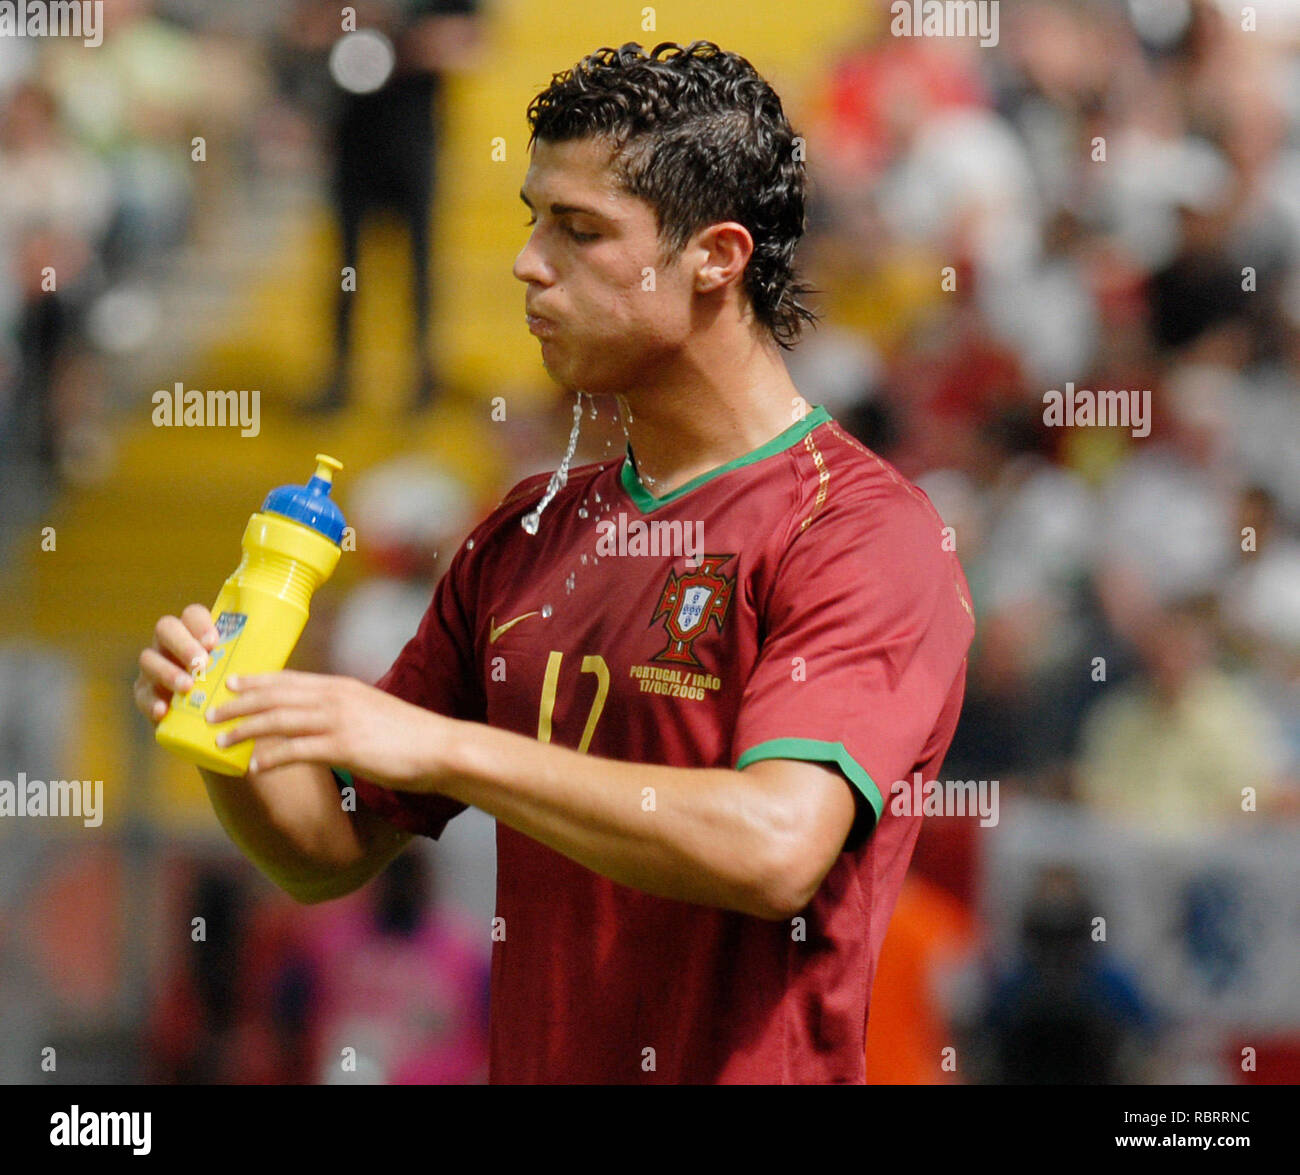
x,y
290,823
699,835
759,841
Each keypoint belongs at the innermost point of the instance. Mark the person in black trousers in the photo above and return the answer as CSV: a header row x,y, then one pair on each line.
x,y
385,145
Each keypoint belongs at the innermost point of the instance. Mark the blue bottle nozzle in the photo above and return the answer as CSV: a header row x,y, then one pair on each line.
x,y
311,504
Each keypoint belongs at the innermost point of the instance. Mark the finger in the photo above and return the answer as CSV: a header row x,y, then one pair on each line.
x,y
163,673
171,636
256,701
282,721
147,699
302,749
198,620
286,677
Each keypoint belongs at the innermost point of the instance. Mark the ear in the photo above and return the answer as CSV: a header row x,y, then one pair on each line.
x,y
723,250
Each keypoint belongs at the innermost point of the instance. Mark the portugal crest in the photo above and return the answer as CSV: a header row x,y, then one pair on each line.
x,y
687,605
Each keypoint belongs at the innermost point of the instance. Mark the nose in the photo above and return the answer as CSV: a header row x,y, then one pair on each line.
x,y
529,266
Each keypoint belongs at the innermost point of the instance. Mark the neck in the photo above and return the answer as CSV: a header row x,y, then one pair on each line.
x,y
707,410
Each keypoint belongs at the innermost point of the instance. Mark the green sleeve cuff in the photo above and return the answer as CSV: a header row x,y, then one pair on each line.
x,y
817,751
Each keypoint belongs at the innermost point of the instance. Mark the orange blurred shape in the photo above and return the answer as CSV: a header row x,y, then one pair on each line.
x,y
73,926
906,1029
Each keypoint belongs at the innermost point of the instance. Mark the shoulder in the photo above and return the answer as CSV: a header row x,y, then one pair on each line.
x,y
864,534
851,496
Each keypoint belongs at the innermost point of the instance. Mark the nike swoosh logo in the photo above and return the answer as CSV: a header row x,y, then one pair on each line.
x,y
494,631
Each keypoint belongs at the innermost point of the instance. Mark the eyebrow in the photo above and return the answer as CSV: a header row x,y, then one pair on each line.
x,y
561,209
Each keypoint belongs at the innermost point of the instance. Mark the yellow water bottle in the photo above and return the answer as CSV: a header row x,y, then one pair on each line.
x,y
291,547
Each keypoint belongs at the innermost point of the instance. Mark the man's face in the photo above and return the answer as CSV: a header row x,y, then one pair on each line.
x,y
607,309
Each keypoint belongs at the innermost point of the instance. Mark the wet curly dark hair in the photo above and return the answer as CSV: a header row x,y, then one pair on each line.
x,y
702,138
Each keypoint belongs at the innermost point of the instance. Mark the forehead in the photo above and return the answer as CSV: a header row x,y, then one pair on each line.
x,y
578,172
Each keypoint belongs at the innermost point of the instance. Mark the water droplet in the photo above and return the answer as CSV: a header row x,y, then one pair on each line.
x,y
546,611
582,511
597,495
569,582
560,477
584,560
469,544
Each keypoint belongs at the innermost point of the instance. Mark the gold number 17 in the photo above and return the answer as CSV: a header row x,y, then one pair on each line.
x,y
593,663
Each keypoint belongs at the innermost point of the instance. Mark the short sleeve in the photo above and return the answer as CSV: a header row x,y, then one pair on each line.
x,y
863,639
434,670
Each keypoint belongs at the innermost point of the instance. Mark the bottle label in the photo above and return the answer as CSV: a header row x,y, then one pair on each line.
x,y
230,626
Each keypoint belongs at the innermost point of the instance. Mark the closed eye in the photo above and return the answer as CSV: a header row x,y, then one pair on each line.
x,y
581,238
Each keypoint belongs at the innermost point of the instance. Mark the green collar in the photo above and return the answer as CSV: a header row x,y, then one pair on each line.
x,y
646,502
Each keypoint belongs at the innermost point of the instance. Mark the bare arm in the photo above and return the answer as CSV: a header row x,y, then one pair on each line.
x,y
288,821
759,841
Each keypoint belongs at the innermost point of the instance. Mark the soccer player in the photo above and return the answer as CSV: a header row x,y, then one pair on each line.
x,y
689,741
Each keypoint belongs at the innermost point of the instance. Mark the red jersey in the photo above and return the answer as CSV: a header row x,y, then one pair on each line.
x,y
798,603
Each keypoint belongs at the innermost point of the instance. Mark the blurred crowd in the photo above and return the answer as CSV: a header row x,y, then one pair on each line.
x,y
98,196
1109,198
1114,199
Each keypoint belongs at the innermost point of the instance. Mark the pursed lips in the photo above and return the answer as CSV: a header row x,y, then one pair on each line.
x,y
538,325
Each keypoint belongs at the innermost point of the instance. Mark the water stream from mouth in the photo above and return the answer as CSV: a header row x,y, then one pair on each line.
x,y
560,477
